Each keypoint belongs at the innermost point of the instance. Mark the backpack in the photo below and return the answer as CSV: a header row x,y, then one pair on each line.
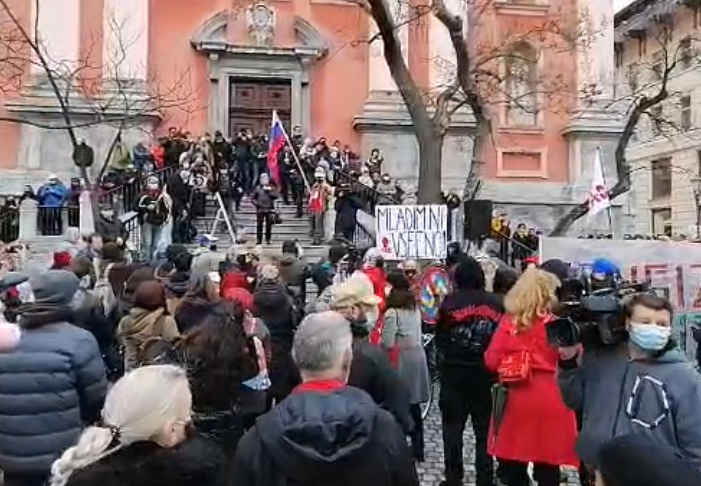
x,y
103,292
158,350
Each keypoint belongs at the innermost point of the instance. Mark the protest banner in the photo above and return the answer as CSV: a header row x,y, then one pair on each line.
x,y
673,270
415,231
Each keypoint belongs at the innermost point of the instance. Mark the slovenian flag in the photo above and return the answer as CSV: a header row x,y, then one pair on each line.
x,y
599,199
278,137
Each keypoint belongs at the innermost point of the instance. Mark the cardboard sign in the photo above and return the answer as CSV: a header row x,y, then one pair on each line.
x,y
412,232
673,269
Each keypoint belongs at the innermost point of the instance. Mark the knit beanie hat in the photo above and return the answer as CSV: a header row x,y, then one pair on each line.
x,y
54,287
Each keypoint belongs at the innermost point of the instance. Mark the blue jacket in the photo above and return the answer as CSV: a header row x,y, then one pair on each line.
x,y
659,398
51,386
52,195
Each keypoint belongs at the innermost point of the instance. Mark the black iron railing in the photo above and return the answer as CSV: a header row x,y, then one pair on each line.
x,y
369,197
124,197
508,244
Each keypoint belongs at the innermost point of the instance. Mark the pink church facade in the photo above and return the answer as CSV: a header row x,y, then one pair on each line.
x,y
211,65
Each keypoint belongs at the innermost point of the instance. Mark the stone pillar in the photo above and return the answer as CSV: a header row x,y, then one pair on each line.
x,y
441,54
379,76
595,55
330,219
125,47
58,23
87,219
596,124
28,213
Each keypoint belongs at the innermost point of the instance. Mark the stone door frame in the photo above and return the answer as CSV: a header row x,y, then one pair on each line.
x,y
227,67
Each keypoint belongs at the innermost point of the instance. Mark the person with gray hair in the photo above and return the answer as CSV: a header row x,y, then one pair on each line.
x,y
325,429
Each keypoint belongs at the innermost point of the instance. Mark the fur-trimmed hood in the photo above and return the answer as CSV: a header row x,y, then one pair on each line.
x,y
196,462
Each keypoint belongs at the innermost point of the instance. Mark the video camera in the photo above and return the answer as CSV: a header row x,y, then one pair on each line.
x,y
590,315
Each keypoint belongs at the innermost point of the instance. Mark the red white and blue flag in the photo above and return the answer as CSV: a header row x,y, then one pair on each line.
x,y
278,138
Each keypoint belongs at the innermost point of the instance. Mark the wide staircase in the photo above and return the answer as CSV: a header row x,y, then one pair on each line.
x,y
244,223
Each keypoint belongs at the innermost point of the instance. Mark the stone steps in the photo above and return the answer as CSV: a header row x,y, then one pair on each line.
x,y
244,222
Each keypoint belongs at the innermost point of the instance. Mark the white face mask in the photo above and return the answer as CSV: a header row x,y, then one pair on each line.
x,y
153,187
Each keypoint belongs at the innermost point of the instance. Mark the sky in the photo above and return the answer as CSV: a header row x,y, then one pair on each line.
x,y
619,4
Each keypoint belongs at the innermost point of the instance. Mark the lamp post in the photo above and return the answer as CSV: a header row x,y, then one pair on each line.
x,y
696,187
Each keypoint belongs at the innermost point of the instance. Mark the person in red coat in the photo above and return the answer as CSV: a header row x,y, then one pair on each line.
x,y
373,268
536,426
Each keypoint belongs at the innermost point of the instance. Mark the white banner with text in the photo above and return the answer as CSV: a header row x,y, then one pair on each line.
x,y
412,231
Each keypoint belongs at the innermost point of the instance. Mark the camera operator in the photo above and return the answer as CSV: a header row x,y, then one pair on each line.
x,y
640,383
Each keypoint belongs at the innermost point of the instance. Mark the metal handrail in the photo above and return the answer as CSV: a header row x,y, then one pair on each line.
x,y
369,197
513,241
128,193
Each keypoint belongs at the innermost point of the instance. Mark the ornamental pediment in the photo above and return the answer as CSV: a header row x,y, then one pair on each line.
x,y
259,31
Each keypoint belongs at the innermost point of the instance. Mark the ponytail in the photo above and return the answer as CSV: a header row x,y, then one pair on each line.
x,y
93,444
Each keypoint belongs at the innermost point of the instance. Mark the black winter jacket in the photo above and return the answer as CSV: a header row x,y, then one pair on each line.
x,y
263,200
318,438
467,320
372,372
51,386
110,229
195,462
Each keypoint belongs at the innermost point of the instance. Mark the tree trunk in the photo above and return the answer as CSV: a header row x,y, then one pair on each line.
x,y
473,182
430,159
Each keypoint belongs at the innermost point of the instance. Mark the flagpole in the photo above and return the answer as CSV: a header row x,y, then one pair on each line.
x,y
603,176
294,153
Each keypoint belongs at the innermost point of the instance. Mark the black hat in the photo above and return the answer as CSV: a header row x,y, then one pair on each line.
x,y
559,268
469,275
637,460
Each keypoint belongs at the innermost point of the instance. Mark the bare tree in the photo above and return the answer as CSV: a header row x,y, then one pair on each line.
x,y
649,91
477,78
105,98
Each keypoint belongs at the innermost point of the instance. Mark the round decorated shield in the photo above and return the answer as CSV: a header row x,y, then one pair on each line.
x,y
432,286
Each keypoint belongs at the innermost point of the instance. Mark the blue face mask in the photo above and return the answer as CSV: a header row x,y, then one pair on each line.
x,y
649,337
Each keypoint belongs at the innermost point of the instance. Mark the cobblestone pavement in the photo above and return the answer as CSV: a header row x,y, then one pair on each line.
x,y
431,470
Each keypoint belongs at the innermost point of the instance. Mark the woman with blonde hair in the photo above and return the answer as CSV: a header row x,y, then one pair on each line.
x,y
533,425
144,438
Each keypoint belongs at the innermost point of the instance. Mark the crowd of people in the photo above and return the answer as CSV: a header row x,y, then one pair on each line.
x,y
171,371
311,175
187,369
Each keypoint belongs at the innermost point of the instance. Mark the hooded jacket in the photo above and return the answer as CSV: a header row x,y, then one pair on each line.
x,y
195,462
52,384
659,398
466,322
139,326
325,436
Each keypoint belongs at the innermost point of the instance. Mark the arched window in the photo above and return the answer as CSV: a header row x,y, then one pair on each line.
x,y
521,85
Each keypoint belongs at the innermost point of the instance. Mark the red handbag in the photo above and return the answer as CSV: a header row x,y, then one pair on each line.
x,y
515,367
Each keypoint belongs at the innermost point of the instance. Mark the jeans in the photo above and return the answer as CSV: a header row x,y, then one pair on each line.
x,y
317,227
457,404
417,433
298,198
514,473
263,218
150,236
